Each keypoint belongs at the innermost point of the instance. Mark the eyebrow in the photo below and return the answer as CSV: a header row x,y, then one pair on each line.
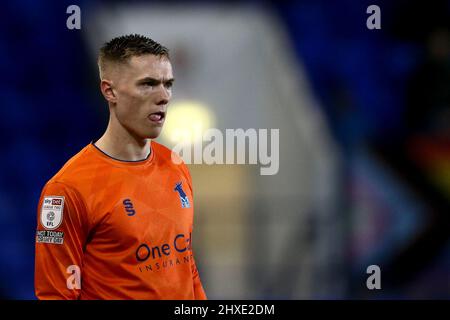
x,y
155,81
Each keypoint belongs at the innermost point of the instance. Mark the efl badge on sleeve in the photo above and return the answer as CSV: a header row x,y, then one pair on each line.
x,y
52,212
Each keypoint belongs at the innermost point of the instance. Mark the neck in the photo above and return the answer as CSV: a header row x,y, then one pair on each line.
x,y
121,144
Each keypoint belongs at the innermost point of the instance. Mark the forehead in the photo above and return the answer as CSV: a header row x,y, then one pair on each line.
x,y
149,65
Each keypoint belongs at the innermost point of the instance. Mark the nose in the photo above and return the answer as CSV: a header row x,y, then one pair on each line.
x,y
162,102
164,96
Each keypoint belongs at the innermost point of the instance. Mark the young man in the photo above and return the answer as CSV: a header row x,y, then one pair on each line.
x,y
116,221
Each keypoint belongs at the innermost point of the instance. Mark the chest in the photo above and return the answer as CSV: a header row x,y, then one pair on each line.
x,y
137,209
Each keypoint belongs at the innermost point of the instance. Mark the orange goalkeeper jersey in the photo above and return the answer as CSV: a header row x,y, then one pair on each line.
x,y
111,229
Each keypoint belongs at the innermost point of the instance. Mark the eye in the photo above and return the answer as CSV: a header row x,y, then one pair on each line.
x,y
169,85
150,83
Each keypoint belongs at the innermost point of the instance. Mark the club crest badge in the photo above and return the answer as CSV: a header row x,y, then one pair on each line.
x,y
183,196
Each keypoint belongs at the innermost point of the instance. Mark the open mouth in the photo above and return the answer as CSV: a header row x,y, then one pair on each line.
x,y
157,117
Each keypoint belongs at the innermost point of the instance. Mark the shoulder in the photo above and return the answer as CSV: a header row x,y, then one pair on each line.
x,y
75,170
162,152
166,155
171,159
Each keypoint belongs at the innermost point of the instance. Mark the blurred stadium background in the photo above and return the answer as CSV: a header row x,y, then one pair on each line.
x,y
364,119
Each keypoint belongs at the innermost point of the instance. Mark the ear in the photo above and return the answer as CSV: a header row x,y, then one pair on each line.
x,y
106,87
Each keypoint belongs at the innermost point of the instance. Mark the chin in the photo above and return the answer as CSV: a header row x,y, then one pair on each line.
x,y
153,134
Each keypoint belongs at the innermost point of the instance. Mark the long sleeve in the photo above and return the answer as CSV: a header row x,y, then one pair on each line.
x,y
199,292
61,234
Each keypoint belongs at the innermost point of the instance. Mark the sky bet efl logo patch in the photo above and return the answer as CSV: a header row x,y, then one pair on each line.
x,y
52,212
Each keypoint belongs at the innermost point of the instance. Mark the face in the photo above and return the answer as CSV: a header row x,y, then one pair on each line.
x,y
142,91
